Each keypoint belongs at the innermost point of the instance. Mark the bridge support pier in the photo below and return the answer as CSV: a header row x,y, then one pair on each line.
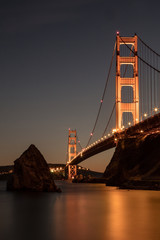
x,y
72,150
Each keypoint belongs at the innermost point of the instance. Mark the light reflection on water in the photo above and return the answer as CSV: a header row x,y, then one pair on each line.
x,y
81,212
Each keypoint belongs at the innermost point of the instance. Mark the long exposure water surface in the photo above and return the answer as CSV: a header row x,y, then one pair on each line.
x,y
80,212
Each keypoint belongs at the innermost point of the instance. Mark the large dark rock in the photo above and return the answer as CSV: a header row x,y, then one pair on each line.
x,y
136,162
31,172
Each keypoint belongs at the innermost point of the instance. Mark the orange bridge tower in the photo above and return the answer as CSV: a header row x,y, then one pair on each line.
x,y
129,81
72,151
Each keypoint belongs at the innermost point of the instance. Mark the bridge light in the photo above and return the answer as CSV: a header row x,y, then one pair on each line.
x,y
141,131
117,32
129,123
105,136
114,130
115,139
91,134
109,134
101,138
136,119
101,100
155,109
145,115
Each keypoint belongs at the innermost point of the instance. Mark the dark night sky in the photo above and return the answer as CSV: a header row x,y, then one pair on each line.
x,y
54,58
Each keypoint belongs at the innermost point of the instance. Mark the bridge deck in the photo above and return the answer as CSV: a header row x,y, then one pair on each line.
x,y
108,143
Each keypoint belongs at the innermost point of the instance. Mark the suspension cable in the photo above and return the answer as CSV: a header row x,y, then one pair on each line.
x,y
105,88
141,58
148,46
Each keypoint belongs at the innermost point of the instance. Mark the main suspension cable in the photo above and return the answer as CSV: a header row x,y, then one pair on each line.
x,y
105,88
141,58
148,46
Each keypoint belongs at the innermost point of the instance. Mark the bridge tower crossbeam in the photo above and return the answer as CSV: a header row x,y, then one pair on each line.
x,y
132,81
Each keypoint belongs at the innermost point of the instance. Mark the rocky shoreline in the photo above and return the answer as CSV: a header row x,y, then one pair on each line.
x,y
136,162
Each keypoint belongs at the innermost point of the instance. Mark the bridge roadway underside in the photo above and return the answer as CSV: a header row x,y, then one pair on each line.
x,y
108,143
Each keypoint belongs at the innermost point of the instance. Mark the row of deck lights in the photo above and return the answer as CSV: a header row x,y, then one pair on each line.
x,y
55,169
101,139
155,110
96,142
110,134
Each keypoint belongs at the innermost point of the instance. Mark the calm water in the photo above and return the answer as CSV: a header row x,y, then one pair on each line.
x,y
80,212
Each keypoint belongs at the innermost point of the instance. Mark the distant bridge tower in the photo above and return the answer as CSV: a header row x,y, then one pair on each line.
x,y
132,81
72,150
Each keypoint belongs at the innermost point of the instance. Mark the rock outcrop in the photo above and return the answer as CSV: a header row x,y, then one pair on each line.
x,y
136,162
31,172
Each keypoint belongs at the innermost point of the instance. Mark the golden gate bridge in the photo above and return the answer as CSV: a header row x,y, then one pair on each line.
x,y
131,96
